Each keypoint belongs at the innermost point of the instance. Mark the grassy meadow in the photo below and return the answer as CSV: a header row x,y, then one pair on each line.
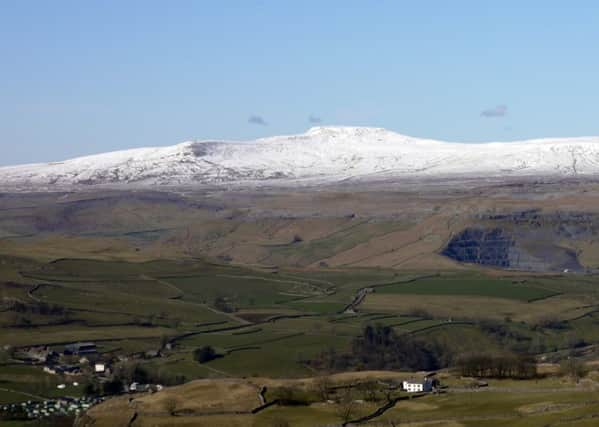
x,y
271,322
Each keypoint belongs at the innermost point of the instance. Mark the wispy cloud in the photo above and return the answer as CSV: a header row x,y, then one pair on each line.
x,y
498,111
314,119
257,120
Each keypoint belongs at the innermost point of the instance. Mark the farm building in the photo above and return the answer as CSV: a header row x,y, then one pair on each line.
x,y
80,348
424,386
40,354
137,388
152,354
62,369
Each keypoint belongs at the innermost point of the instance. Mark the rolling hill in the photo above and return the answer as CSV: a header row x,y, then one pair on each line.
x,y
321,155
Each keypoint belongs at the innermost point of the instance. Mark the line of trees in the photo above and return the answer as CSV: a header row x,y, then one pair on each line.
x,y
379,347
497,366
37,308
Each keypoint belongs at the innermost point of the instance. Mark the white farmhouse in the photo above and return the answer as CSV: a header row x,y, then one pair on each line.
x,y
413,386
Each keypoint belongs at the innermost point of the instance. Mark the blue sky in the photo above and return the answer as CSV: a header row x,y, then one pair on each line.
x,y
81,77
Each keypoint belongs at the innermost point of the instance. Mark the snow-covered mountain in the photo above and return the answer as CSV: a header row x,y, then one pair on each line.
x,y
322,154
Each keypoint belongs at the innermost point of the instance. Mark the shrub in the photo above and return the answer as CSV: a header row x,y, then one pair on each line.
x,y
224,305
205,354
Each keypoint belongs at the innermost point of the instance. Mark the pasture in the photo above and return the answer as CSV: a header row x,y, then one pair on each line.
x,y
457,285
536,403
275,321
467,307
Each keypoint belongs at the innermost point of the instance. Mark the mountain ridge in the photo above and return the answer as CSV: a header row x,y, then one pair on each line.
x,y
322,154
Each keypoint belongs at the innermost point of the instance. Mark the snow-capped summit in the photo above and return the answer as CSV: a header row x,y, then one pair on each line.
x,y
325,154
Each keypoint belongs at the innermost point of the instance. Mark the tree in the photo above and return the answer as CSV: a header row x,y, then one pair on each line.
x,y
573,368
322,386
380,348
346,405
90,389
369,390
114,386
205,354
140,375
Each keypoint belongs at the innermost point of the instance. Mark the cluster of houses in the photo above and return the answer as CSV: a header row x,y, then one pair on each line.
x,y
45,355
73,362
47,408
36,355
76,359
101,368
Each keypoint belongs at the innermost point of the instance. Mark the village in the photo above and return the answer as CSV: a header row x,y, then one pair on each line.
x,y
81,363
81,359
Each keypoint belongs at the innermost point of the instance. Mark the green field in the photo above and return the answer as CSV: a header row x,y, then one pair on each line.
x,y
279,319
20,383
469,285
